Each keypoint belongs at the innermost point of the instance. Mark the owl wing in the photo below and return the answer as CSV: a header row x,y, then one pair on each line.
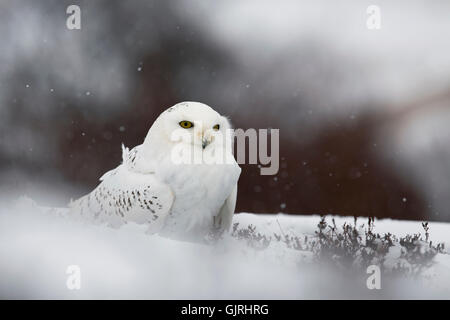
x,y
126,194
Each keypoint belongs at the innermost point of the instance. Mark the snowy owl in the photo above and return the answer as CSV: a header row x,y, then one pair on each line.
x,y
166,181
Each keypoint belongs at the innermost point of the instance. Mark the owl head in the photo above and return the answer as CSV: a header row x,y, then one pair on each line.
x,y
192,123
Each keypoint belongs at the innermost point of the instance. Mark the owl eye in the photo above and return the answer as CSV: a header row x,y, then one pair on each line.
x,y
216,127
186,124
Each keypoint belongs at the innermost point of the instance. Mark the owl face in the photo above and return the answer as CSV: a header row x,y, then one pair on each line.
x,y
197,124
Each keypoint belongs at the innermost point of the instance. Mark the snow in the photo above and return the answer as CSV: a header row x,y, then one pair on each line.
x,y
307,224
37,247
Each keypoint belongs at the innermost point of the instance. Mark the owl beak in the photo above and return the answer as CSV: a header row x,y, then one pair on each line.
x,y
205,142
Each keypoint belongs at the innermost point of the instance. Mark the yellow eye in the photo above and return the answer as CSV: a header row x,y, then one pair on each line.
x,y
216,127
186,124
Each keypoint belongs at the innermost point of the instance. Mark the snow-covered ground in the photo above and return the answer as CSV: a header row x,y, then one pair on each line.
x,y
297,225
37,247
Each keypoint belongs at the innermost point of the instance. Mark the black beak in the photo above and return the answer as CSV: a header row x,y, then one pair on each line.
x,y
205,142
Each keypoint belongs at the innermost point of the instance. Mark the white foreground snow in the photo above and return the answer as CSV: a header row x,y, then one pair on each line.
x,y
36,248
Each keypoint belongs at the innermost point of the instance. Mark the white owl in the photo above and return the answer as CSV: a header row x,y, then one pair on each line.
x,y
182,181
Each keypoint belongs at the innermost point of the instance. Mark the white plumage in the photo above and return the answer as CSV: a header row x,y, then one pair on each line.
x,y
151,186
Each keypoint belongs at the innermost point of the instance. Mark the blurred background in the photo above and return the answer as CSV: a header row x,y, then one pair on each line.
x,y
363,114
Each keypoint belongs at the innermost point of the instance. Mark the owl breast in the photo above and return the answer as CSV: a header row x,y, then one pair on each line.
x,y
200,190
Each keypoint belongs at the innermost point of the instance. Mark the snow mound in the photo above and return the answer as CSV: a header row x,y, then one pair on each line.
x,y
37,247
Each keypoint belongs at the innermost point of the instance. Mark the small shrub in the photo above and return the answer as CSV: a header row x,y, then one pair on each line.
x,y
353,246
